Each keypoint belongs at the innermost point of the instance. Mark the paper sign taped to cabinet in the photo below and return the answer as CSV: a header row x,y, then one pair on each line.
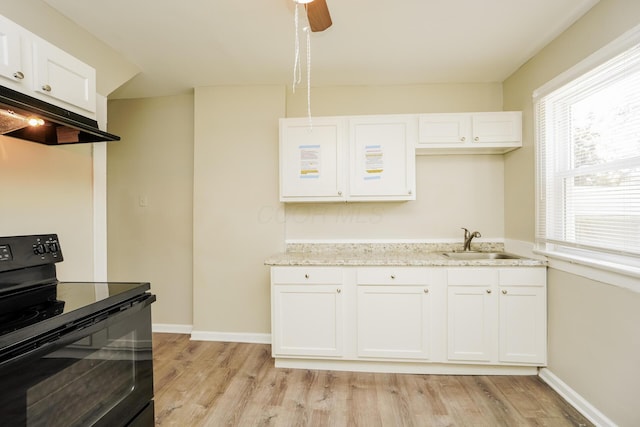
x,y
309,161
374,165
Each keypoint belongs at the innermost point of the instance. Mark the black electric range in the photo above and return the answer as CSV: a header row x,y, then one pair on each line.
x,y
71,353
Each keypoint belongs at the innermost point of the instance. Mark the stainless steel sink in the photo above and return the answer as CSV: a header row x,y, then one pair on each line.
x,y
473,255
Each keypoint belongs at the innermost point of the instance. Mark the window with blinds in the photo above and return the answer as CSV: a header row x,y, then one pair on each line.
x,y
588,161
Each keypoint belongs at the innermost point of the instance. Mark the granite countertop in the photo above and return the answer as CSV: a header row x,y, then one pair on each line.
x,y
388,254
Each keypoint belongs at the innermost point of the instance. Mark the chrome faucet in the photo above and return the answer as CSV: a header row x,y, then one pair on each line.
x,y
468,237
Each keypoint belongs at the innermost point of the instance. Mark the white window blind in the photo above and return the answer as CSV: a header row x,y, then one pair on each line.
x,y
588,163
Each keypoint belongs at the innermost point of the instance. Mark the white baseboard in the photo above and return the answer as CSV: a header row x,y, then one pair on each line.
x,y
171,328
231,337
211,336
402,367
577,401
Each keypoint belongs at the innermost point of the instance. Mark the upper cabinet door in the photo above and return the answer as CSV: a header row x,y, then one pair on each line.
x,y
382,157
351,158
470,133
311,159
11,66
445,128
505,126
63,77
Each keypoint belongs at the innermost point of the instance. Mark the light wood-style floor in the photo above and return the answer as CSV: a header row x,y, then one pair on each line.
x,y
232,384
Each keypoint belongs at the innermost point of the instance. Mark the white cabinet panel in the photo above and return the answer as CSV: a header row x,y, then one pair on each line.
x,y
471,318
311,159
382,158
307,311
307,320
523,276
12,68
523,327
63,77
499,127
444,128
497,315
394,321
395,276
470,133
472,276
307,275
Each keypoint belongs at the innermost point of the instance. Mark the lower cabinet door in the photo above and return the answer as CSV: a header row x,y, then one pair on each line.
x,y
523,326
472,320
307,320
394,321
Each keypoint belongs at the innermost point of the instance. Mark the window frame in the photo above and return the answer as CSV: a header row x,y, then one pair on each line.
x,y
617,267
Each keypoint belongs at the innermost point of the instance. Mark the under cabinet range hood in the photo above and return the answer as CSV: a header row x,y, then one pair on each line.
x,y
28,118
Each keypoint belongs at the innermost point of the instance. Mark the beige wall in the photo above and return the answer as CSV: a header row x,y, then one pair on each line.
x,y
152,164
452,191
39,18
427,98
49,190
235,177
593,336
594,344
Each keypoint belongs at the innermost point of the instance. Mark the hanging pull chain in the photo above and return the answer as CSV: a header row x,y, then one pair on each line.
x,y
297,68
296,63
307,30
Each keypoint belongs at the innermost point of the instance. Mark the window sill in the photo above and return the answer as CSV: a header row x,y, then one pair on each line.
x,y
614,274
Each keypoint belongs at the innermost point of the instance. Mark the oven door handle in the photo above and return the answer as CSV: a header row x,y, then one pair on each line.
x,y
71,333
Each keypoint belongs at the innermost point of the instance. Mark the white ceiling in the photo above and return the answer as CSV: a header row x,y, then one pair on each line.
x,y
179,45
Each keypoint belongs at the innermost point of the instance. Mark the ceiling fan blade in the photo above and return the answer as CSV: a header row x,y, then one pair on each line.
x,y
318,15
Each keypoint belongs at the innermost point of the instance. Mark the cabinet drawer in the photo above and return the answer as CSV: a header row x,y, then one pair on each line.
x,y
523,276
301,275
472,276
394,275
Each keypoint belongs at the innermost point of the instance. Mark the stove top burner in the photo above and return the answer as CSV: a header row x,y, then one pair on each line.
x,y
13,321
26,306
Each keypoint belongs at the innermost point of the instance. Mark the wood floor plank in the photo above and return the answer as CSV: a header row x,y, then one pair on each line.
x,y
200,384
425,402
362,396
252,367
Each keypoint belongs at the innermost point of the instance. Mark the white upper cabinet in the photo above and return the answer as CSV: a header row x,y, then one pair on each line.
x,y
497,128
444,129
470,133
311,160
360,158
12,69
31,65
382,158
63,77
